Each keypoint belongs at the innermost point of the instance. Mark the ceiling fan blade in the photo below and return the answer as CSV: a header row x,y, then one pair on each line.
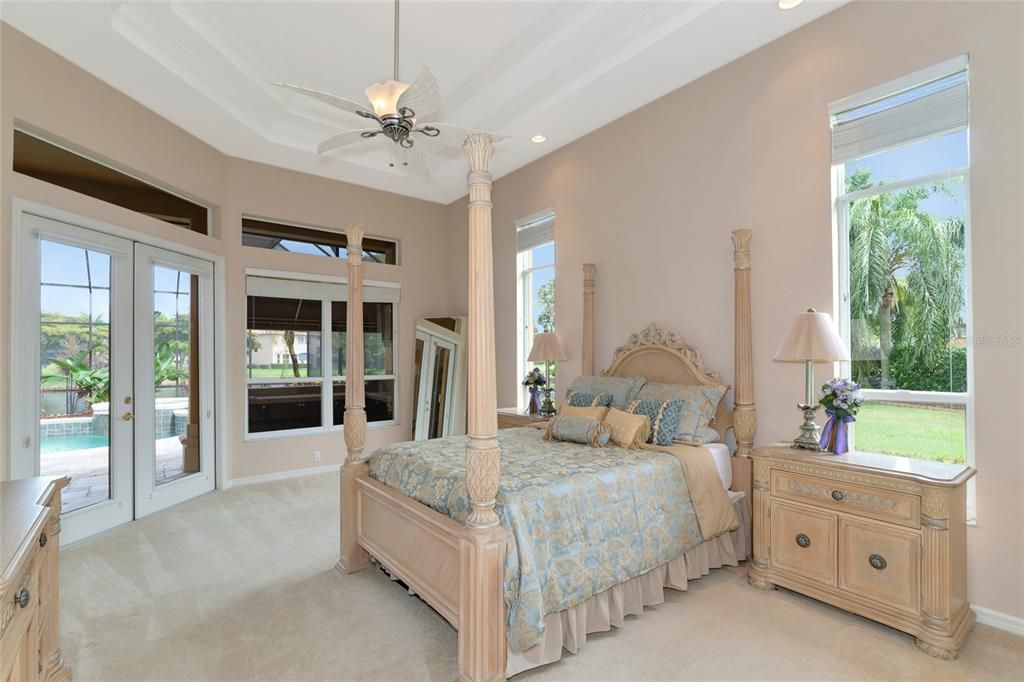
x,y
347,138
424,95
328,98
449,135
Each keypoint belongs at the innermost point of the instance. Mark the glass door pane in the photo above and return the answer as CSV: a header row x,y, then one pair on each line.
x,y
74,371
173,378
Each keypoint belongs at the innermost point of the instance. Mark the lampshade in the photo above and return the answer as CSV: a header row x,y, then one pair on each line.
x,y
546,348
384,96
812,336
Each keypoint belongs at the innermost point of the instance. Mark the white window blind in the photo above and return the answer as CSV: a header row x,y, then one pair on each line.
x,y
533,233
929,103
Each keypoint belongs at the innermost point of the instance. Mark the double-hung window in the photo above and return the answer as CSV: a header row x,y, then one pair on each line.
x,y
900,184
295,354
535,286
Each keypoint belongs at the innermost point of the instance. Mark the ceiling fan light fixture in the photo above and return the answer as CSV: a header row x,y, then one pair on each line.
x,y
538,139
384,96
790,4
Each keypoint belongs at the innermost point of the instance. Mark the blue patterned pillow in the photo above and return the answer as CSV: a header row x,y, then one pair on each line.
x,y
709,435
587,399
579,430
623,390
664,416
701,402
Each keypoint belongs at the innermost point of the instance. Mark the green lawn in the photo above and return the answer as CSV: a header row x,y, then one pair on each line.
x,y
911,431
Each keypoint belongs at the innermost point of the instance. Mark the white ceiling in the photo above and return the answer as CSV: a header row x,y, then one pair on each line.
x,y
561,69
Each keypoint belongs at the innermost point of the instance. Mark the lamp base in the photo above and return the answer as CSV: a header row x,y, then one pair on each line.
x,y
547,408
810,433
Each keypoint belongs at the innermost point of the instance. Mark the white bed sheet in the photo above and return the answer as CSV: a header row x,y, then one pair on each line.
x,y
723,462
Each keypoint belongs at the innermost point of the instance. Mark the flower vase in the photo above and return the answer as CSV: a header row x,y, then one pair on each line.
x,y
835,437
534,400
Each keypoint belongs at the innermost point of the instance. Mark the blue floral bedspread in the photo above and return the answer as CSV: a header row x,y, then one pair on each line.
x,y
581,519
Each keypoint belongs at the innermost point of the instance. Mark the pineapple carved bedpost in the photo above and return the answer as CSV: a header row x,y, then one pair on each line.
x,y
353,556
744,413
482,640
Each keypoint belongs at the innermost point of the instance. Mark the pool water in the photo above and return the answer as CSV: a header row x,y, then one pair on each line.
x,y
68,443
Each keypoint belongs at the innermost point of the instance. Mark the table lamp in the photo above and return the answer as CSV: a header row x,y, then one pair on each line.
x,y
811,338
547,349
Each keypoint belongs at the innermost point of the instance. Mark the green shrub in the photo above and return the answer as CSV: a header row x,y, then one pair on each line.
x,y
948,375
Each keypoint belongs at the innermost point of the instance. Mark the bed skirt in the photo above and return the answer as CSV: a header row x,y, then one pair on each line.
x,y
568,629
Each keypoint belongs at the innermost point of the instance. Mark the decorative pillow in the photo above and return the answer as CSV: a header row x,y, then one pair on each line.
x,y
701,402
586,399
628,430
622,389
578,430
664,417
708,434
595,413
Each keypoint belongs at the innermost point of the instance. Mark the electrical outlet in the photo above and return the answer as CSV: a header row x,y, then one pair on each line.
x,y
316,455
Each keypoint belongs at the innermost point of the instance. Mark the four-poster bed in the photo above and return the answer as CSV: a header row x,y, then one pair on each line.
x,y
459,568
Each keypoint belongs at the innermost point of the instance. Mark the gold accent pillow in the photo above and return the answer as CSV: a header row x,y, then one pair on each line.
x,y
628,430
596,413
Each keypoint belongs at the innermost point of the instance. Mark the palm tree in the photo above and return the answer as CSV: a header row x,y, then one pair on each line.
x,y
906,266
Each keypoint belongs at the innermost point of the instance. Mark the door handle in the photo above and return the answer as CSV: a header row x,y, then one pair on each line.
x,y
127,416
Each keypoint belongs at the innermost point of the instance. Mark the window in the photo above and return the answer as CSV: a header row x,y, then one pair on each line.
x,y
295,330
535,264
58,166
264,234
901,169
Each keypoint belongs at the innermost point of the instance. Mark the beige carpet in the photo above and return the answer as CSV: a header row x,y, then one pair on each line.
x,y
239,585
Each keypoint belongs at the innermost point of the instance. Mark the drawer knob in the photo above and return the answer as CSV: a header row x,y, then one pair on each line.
x,y
42,539
803,540
22,598
838,495
878,562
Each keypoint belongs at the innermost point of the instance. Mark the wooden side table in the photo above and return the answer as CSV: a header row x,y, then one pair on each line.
x,y
511,417
880,536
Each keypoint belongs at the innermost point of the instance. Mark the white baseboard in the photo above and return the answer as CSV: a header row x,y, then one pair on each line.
x,y
282,475
1000,620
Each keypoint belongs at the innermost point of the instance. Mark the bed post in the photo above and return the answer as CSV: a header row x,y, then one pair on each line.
x,y
744,414
482,642
587,356
353,556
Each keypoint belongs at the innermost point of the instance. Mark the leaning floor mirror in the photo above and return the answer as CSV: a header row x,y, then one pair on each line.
x,y
439,390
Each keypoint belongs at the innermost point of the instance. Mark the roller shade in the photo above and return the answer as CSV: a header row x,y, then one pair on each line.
x,y
331,291
535,233
936,107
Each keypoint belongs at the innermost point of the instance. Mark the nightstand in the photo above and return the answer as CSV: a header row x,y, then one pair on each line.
x,y
511,417
880,536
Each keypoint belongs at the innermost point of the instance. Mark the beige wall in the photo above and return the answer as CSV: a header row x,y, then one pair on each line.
x,y
651,199
48,93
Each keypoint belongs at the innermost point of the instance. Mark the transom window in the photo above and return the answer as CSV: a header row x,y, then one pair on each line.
x,y
277,236
535,266
901,171
295,354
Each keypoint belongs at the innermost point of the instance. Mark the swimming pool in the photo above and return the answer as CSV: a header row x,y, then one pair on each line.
x,y
48,444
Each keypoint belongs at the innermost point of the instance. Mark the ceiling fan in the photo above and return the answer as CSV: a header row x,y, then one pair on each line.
x,y
396,108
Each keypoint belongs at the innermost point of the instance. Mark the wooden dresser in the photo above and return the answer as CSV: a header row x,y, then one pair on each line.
x,y
29,584
511,417
880,536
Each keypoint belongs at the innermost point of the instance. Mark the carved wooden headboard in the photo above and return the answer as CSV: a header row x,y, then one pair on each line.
x,y
662,356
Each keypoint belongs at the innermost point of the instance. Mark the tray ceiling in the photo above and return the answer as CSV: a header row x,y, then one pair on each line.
x,y
561,69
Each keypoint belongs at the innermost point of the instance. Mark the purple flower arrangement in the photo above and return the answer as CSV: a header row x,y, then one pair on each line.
x,y
841,399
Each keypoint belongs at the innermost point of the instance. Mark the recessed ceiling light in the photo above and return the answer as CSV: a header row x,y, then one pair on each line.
x,y
538,139
790,4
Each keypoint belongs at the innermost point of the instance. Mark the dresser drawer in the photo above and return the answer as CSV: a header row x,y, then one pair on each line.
x,y
803,541
885,505
20,605
880,562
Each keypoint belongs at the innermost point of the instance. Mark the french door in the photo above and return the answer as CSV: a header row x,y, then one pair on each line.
x,y
114,365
